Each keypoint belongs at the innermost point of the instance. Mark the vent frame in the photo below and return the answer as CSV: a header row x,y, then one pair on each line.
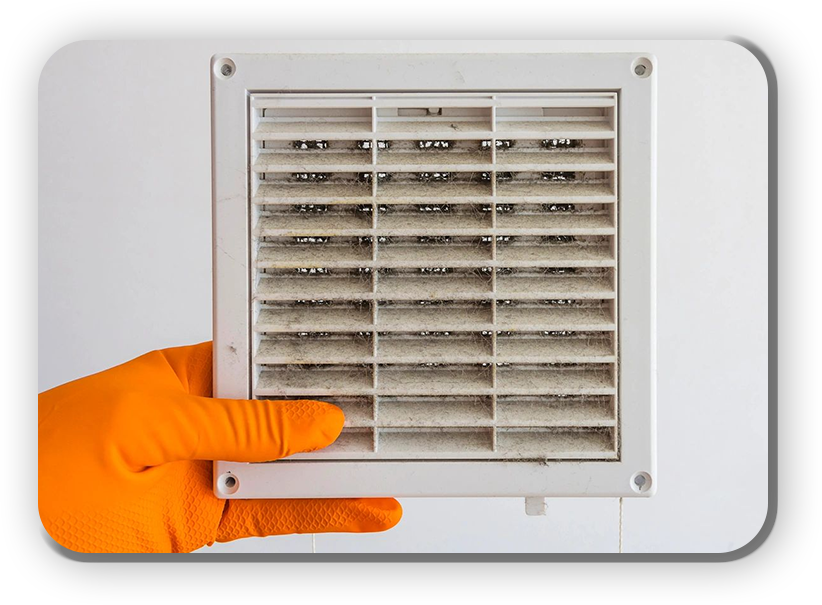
x,y
437,75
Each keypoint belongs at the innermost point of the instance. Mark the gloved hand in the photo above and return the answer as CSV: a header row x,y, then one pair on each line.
x,y
124,460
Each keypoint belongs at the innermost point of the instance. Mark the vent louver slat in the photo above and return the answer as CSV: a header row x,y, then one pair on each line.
x,y
443,268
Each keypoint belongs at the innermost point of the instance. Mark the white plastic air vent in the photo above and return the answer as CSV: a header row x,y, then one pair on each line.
x,y
465,269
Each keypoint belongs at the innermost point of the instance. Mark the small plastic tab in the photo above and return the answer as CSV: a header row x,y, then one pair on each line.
x,y
535,507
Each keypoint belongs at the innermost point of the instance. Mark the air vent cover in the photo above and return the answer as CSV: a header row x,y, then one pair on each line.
x,y
446,268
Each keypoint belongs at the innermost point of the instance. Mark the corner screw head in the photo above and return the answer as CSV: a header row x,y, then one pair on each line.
x,y
227,70
640,70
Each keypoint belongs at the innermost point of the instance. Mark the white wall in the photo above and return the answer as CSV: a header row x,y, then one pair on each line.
x,y
125,267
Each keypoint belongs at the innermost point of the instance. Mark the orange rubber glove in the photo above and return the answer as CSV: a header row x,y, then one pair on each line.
x,y
124,459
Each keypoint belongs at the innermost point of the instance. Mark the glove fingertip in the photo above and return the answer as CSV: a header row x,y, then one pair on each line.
x,y
334,418
368,515
326,419
307,425
392,510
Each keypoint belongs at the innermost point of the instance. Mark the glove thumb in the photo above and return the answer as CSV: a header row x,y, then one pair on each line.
x,y
257,518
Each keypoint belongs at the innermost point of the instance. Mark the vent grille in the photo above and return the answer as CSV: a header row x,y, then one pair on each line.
x,y
442,268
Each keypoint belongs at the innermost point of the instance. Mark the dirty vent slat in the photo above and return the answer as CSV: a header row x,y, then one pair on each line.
x,y
443,268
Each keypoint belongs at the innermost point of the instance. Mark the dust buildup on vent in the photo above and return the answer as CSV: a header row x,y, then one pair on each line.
x,y
302,145
561,143
446,275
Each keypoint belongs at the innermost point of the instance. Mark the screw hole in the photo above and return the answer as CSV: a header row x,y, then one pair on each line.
x,y
641,482
225,68
228,484
642,67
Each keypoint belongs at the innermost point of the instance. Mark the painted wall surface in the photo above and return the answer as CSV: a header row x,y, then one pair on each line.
x,y
125,267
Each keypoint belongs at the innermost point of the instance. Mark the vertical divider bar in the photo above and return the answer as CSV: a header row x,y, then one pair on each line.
x,y
254,216
375,433
494,272
615,244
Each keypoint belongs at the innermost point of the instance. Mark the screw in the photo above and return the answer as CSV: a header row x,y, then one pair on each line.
x,y
226,70
640,70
